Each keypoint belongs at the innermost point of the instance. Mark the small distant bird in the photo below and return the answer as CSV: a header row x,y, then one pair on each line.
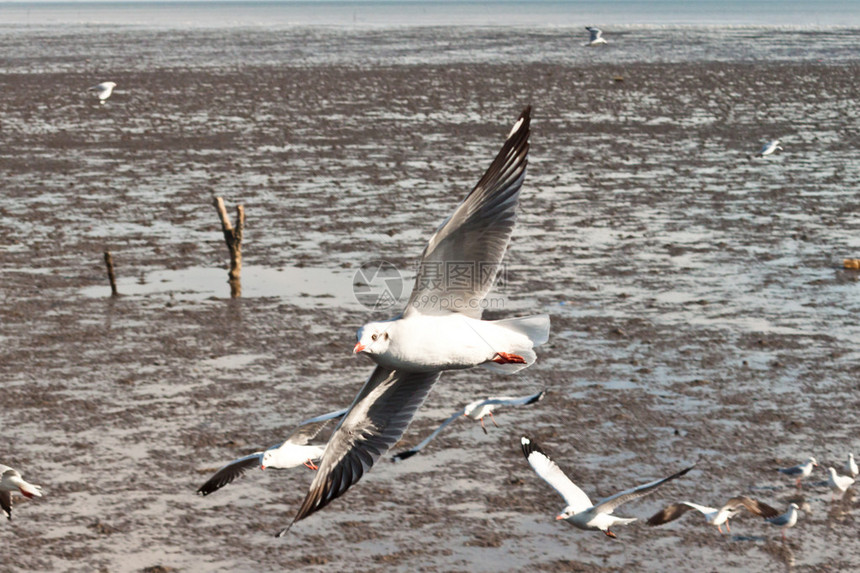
x,y
769,148
786,520
11,480
103,90
800,471
293,452
475,410
596,37
580,511
713,515
851,466
837,482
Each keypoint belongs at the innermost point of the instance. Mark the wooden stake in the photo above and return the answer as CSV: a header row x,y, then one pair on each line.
x,y
111,275
233,238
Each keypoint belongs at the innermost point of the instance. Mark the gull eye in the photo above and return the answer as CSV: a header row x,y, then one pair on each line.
x,y
385,335
374,337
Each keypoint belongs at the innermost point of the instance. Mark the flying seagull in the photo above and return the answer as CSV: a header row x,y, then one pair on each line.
x,y
475,410
769,148
800,471
713,515
294,451
10,481
103,90
478,230
785,520
441,328
580,511
595,38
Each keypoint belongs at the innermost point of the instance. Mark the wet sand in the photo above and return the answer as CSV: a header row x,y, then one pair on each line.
x,y
699,311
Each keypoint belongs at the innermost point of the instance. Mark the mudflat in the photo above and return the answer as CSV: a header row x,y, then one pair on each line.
x,y
700,311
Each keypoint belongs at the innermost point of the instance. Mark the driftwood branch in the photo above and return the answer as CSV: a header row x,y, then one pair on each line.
x,y
233,238
111,275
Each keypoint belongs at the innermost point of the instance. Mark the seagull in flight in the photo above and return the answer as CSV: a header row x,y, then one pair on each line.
x,y
11,481
294,451
713,515
769,148
443,328
580,510
475,410
595,38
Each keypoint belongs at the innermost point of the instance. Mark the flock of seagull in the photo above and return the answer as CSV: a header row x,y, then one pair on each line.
x,y
442,329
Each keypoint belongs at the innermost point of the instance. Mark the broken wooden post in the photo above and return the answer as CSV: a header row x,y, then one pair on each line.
x,y
233,238
111,275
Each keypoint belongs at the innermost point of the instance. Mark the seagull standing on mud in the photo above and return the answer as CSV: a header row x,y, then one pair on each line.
x,y
292,452
103,90
475,410
440,328
714,516
580,511
786,520
596,37
851,466
800,471
11,481
837,482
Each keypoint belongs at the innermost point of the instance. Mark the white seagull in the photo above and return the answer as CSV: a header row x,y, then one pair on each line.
x,y
441,328
10,481
800,471
103,90
580,511
786,520
851,466
713,515
769,148
596,37
837,482
477,234
292,452
475,410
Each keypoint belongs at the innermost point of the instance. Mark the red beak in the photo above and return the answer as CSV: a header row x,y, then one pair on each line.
x,y
557,517
359,347
262,467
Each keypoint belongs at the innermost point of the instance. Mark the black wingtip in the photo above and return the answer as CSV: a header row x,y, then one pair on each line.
x,y
284,531
537,398
404,455
530,446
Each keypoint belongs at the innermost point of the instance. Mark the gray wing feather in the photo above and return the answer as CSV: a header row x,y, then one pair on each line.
x,y
229,472
508,401
475,237
379,415
609,504
670,513
411,452
309,429
6,503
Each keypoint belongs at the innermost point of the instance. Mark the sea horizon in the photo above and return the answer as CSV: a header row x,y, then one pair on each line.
x,y
549,14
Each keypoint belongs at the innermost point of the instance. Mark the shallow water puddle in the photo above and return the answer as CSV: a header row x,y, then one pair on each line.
x,y
302,286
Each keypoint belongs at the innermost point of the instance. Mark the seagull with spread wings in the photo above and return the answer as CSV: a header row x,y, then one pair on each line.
x,y
440,311
295,451
441,327
11,481
475,410
713,515
580,511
